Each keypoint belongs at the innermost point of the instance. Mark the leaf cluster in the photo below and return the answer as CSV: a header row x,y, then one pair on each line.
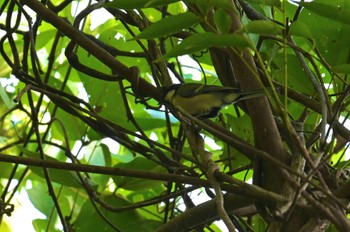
x,y
86,134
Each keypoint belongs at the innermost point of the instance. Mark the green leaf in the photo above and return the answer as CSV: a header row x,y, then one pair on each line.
x,y
104,96
205,5
131,183
4,227
38,196
72,125
330,36
106,155
168,26
299,28
206,40
101,156
258,223
138,4
242,127
335,12
89,219
6,169
5,98
342,68
277,3
297,77
223,20
149,123
67,178
262,27
44,38
41,225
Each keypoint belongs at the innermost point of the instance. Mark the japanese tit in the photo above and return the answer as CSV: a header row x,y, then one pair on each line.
x,y
204,101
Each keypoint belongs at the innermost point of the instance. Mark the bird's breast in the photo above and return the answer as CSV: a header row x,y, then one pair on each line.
x,y
198,105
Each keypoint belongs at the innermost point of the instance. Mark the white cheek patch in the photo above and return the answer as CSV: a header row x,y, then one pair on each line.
x,y
169,96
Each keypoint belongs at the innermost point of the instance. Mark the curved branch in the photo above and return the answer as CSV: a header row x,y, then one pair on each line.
x,y
141,86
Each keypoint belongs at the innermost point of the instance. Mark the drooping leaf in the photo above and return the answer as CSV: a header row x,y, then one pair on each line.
x,y
41,225
297,77
100,156
258,223
330,36
126,221
169,25
38,196
262,27
4,227
205,5
68,123
150,123
276,3
67,178
241,126
201,41
331,11
138,4
65,122
45,38
105,97
131,183
299,28
5,98
342,68
222,20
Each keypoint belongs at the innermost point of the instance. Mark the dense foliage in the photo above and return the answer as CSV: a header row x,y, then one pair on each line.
x,y
86,135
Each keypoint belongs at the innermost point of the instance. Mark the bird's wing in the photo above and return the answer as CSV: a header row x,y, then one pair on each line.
x,y
192,89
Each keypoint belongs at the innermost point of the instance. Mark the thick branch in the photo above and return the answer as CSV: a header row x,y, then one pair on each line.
x,y
204,213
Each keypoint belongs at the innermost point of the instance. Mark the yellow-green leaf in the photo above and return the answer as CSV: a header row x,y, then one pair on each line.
x,y
277,3
201,41
138,4
341,68
335,12
223,20
169,25
299,28
262,27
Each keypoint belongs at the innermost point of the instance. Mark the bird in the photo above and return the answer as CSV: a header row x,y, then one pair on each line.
x,y
204,101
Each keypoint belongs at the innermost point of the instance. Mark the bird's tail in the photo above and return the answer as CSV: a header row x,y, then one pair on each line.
x,y
253,94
